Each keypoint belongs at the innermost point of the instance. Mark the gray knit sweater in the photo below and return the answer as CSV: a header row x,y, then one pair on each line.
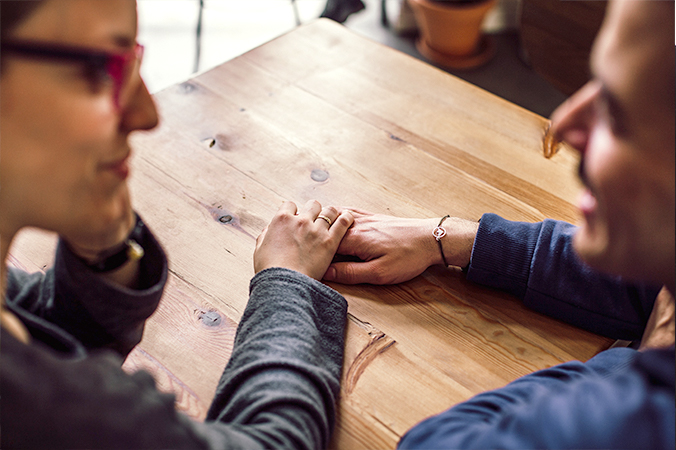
x,y
67,390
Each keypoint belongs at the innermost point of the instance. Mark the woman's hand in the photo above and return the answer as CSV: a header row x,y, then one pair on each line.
x,y
394,250
304,241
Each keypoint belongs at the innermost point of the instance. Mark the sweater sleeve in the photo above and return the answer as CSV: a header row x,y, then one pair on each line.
x,y
618,399
537,263
70,297
279,389
280,386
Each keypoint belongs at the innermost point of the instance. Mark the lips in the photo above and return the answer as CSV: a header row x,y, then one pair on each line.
x,y
119,168
587,203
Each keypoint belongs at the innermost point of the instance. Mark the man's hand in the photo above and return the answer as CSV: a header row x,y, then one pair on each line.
x,y
394,250
659,332
304,241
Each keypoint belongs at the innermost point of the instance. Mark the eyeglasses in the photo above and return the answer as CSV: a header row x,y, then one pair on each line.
x,y
117,67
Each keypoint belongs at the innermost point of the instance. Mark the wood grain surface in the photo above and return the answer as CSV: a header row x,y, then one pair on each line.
x,y
321,113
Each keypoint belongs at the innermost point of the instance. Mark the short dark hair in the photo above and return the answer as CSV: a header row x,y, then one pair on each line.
x,y
13,12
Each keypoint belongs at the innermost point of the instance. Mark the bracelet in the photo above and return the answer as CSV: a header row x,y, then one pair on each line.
x,y
131,250
438,233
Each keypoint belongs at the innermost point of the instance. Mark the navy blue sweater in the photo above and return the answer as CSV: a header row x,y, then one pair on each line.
x,y
621,398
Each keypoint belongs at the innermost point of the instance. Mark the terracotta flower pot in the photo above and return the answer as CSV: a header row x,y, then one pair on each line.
x,y
450,32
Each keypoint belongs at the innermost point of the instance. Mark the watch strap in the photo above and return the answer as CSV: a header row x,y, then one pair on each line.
x,y
130,250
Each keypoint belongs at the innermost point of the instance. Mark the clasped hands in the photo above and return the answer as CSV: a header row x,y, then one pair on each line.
x,y
385,249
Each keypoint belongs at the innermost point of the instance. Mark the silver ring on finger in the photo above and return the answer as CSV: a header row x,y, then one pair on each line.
x,y
323,217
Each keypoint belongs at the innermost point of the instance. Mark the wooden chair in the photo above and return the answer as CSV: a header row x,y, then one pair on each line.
x,y
556,38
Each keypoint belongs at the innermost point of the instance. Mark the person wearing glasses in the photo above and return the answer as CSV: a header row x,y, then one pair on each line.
x,y
603,276
70,95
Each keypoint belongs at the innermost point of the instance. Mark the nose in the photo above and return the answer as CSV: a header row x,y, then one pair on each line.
x,y
573,119
140,112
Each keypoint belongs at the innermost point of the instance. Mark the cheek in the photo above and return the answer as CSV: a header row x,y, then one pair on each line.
x,y
51,109
628,207
65,152
80,118
52,143
74,135
611,169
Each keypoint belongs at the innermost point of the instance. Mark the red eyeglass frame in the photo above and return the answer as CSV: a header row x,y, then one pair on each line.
x,y
118,66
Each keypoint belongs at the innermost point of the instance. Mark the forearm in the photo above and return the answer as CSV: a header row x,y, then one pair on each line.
x,y
537,263
607,402
280,386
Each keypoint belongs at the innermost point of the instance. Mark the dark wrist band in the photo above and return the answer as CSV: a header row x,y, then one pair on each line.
x,y
438,233
130,250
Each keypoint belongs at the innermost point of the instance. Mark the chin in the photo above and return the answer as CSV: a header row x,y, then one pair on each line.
x,y
597,254
592,250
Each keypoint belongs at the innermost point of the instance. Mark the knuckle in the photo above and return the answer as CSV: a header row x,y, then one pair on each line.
x,y
379,276
304,221
347,274
344,220
282,215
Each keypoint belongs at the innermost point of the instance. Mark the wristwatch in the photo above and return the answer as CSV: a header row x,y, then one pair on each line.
x,y
129,250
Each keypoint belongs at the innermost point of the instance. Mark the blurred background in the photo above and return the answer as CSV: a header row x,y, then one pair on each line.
x,y
169,30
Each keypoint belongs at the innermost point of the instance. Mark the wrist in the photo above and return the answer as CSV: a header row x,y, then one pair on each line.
x,y
456,242
426,244
439,233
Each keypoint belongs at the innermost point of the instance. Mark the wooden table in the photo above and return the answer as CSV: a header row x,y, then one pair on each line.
x,y
323,113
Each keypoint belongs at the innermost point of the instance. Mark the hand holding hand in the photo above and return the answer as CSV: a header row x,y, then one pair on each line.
x,y
394,249
305,242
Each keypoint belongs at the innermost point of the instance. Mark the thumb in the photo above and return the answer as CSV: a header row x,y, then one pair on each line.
x,y
351,273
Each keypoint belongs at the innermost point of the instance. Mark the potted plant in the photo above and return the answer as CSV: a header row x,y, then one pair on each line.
x,y
450,31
